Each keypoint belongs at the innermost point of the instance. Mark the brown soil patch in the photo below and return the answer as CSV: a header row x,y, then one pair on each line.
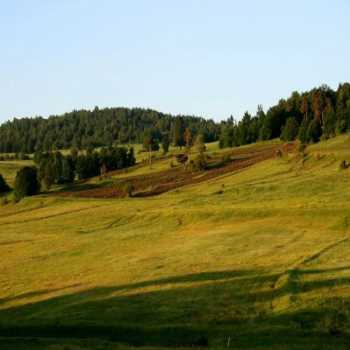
x,y
157,183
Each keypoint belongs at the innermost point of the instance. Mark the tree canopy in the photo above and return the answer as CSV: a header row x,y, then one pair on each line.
x,y
100,127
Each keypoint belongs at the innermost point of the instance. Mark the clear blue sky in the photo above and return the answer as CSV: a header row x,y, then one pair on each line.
x,y
211,58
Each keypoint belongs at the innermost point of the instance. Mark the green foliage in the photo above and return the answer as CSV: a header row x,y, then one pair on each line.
x,y
97,128
321,111
290,130
68,169
165,143
303,132
47,173
151,140
314,131
26,182
197,163
177,132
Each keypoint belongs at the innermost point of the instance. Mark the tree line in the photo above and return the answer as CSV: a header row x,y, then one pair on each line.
x,y
309,116
55,168
83,129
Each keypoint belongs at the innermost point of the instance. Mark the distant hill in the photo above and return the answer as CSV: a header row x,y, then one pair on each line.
x,y
99,127
320,113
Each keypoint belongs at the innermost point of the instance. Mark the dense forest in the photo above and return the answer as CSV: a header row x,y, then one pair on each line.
x,y
85,129
308,116
321,112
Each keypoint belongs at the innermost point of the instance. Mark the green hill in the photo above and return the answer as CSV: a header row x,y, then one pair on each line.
x,y
253,258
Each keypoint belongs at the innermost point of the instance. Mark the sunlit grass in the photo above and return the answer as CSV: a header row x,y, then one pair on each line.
x,y
259,256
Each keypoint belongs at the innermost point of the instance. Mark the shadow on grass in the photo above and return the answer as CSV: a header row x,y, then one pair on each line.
x,y
211,308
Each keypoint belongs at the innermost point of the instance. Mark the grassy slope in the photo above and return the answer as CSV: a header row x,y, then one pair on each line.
x,y
262,263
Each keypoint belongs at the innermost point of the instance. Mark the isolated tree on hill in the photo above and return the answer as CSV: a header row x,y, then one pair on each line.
x,y
26,182
290,130
4,187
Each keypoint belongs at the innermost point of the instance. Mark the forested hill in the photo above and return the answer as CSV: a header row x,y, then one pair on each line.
x,y
99,127
308,116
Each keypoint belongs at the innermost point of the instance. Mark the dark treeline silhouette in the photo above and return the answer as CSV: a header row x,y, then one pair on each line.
x,y
100,127
309,116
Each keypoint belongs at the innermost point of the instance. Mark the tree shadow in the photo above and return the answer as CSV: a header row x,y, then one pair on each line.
x,y
210,308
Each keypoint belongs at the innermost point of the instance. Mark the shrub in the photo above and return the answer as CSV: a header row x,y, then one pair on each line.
x,y
199,145
26,182
198,163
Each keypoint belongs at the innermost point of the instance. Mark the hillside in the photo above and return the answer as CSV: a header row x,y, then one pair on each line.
x,y
307,116
252,258
99,127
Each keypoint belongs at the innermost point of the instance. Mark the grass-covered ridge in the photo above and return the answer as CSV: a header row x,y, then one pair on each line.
x,y
254,259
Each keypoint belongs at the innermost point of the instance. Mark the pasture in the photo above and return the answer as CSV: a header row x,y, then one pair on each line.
x,y
254,258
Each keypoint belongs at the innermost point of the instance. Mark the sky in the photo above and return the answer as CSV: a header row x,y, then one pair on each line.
x,y
211,58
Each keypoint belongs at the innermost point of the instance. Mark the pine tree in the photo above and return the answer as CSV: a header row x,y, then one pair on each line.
x,y
290,130
26,182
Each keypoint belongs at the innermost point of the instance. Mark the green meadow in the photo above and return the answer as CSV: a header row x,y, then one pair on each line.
x,y
255,259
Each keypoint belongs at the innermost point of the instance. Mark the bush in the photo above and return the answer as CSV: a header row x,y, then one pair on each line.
x,y
4,187
26,182
198,163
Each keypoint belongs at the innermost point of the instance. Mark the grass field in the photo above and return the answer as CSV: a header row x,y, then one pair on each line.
x,y
255,259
